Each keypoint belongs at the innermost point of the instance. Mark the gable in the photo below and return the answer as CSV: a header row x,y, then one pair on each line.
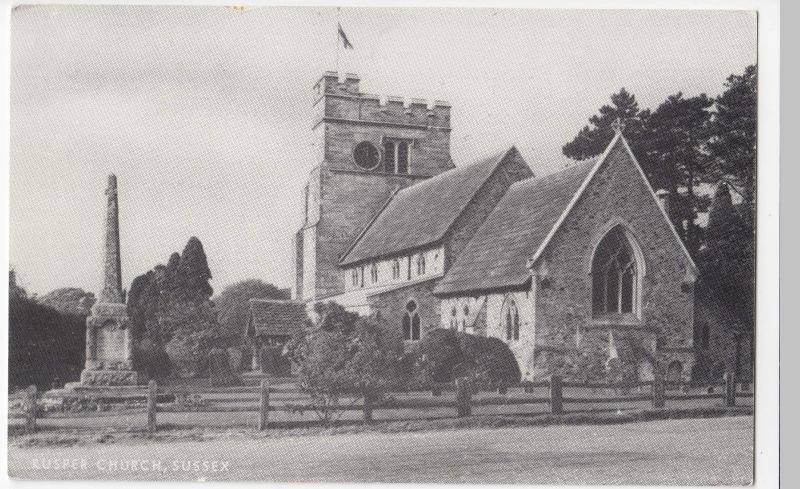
x,y
619,154
518,232
275,317
497,255
423,213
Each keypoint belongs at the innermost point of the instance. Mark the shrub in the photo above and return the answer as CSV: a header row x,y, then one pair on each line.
x,y
184,354
446,354
150,359
346,355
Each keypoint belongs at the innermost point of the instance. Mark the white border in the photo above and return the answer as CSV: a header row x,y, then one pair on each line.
x,y
766,439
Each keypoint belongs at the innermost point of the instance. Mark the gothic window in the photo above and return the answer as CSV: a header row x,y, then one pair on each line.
x,y
373,273
421,264
512,321
410,322
366,155
361,276
409,268
453,320
395,269
396,156
615,276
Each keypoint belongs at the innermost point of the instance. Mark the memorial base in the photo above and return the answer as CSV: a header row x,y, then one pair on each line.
x,y
103,378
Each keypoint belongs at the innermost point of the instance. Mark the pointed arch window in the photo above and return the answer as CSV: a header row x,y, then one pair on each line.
x,y
616,276
410,322
511,319
373,273
395,269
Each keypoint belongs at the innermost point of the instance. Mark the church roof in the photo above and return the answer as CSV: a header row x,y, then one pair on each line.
x,y
423,213
496,256
269,317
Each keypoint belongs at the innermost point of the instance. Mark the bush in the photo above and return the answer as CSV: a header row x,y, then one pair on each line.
x,y
150,359
446,355
184,354
219,370
346,355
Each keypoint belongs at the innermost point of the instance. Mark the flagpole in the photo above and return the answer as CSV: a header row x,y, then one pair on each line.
x,y
338,23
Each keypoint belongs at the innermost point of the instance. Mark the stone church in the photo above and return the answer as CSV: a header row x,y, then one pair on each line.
x,y
572,269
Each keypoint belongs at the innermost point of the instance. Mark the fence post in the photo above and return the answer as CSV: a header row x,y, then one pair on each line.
x,y
658,388
263,418
463,397
152,392
730,389
556,398
367,406
30,415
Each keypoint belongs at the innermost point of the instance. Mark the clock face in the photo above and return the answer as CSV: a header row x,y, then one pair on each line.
x,y
366,155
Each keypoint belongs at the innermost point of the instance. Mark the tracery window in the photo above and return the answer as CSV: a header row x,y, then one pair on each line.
x,y
615,276
410,322
396,156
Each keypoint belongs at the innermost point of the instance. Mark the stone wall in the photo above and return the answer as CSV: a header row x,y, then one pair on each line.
x,y
391,305
564,320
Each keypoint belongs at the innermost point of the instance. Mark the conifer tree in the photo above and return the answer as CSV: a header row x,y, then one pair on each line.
x,y
727,262
193,271
593,139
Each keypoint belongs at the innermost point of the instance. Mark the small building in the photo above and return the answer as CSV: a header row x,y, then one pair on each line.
x,y
271,324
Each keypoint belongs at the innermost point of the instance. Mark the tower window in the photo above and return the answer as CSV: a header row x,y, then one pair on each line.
x,y
366,155
396,156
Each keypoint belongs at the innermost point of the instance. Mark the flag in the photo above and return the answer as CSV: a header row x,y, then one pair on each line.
x,y
345,42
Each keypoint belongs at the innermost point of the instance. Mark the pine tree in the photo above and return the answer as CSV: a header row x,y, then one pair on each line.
x,y
678,132
592,140
734,126
194,272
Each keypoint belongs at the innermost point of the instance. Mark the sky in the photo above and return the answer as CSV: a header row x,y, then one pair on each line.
x,y
204,113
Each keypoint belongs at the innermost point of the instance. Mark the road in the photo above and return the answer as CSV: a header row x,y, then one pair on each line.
x,y
672,452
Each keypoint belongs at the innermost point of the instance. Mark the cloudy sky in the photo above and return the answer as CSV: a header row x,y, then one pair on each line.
x,y
204,113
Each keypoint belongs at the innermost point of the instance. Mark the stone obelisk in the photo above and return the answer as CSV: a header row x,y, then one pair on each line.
x,y
109,348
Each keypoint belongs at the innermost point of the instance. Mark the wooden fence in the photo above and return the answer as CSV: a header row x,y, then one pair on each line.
x,y
174,399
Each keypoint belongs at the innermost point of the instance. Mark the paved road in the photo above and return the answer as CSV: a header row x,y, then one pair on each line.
x,y
681,452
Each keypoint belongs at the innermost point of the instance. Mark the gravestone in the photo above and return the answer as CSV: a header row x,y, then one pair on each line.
x,y
109,349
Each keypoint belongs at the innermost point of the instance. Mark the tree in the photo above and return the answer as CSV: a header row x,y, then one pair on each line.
x,y
346,356
69,300
45,346
233,303
727,264
734,132
593,139
675,157
143,302
194,272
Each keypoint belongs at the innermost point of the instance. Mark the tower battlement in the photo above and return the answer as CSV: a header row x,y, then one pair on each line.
x,y
340,98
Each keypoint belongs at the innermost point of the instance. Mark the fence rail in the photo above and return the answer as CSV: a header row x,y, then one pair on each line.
x,y
265,398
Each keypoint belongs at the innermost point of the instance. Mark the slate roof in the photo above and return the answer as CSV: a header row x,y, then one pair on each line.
x,y
422,213
496,257
269,317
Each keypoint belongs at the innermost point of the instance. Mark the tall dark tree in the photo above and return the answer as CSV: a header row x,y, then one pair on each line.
x,y
592,139
727,266
143,302
194,271
676,157
734,129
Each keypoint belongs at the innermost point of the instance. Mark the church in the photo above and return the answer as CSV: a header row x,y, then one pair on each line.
x,y
571,269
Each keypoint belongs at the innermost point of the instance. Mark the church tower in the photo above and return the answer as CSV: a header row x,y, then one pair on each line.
x,y
367,147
